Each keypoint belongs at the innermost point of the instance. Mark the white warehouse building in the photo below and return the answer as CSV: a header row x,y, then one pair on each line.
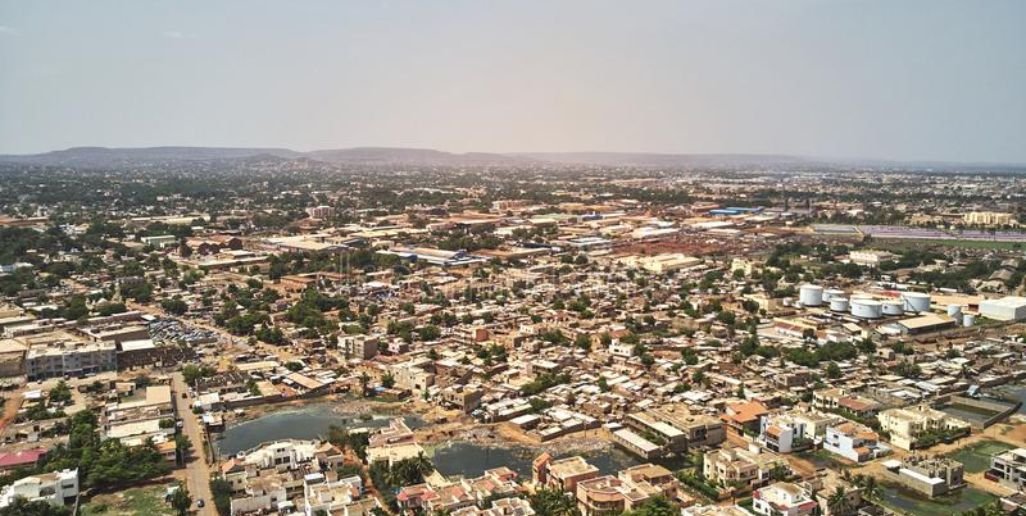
x,y
1008,308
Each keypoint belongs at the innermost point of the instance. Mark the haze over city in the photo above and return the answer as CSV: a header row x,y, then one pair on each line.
x,y
917,80
513,258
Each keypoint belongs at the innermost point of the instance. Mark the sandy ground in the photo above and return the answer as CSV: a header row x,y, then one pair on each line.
x,y
1013,433
11,405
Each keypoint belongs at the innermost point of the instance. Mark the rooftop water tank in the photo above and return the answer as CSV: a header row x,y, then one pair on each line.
x,y
954,310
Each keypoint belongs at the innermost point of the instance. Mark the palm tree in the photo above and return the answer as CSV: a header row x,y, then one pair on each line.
x,y
422,465
870,489
838,501
364,380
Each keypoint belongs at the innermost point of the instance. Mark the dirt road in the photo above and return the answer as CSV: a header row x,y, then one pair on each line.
x,y
197,471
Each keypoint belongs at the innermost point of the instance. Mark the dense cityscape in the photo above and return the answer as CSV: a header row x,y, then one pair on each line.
x,y
390,331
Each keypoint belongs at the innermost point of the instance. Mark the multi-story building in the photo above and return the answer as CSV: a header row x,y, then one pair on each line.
x,y
854,441
844,401
12,358
908,426
58,488
870,258
609,495
272,476
989,218
511,506
729,466
714,510
783,499
788,431
931,477
677,431
281,455
1009,468
70,358
323,495
562,474
319,212
363,347
463,397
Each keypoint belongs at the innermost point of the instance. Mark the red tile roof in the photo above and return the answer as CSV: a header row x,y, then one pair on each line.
x,y
22,458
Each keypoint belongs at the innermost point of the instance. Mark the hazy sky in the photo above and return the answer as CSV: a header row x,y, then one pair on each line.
x,y
877,79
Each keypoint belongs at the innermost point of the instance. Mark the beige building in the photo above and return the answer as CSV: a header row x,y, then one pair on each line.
x,y
907,426
562,474
56,354
739,465
989,218
932,477
609,495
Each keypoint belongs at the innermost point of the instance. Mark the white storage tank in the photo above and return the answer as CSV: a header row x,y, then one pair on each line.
x,y
839,304
810,295
968,320
954,310
893,308
831,293
866,308
916,301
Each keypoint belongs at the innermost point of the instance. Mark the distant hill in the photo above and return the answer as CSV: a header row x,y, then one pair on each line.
x,y
113,157
395,155
103,157
648,159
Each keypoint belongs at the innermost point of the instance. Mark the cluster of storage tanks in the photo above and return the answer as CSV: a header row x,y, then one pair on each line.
x,y
863,307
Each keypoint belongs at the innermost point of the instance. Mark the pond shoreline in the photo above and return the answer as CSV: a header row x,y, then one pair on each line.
x,y
302,420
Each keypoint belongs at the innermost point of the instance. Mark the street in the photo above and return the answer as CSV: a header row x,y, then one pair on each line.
x,y
197,472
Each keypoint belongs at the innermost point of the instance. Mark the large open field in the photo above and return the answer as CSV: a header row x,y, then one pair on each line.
x,y
909,243
147,500
976,456
908,502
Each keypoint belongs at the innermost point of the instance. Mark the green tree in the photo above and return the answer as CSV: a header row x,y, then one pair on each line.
x,y
183,447
553,503
221,491
583,341
655,506
181,501
61,393
833,371
22,507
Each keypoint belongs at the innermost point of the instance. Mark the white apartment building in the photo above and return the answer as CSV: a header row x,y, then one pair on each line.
x,y
782,433
783,499
853,441
57,488
329,497
870,258
1009,468
282,455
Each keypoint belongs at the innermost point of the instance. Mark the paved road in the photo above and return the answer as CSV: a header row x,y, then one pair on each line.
x,y
197,472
